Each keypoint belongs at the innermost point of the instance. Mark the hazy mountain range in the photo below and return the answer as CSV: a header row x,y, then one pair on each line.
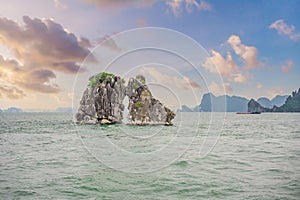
x,y
276,101
291,104
209,103
12,110
19,110
225,103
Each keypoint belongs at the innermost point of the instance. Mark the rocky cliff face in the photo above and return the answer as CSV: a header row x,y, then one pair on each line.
x,y
254,106
224,103
102,102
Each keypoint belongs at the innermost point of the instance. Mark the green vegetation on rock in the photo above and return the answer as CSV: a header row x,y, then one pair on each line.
x,y
138,104
99,78
135,86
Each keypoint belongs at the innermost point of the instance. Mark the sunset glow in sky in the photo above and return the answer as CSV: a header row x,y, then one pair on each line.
x,y
255,45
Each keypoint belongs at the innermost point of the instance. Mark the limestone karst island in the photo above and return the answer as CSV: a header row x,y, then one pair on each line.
x,y
103,102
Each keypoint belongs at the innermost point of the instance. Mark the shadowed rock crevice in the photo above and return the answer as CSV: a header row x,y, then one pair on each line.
x,y
102,102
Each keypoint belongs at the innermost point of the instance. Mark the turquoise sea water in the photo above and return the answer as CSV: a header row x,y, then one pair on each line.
x,y
46,156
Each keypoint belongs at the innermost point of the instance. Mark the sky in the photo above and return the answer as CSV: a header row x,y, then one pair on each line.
x,y
184,48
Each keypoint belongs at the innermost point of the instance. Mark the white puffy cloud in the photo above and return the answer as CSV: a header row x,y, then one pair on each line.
x,y
239,78
219,89
283,29
247,53
226,67
177,6
219,64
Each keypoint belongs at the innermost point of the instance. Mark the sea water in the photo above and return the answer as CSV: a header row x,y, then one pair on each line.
x,y
203,156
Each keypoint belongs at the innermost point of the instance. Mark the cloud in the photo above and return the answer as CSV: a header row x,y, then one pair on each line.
x,y
275,91
219,89
177,6
183,83
41,47
85,43
11,92
239,78
226,67
119,3
141,22
283,29
109,43
42,43
259,85
19,80
174,6
287,67
59,4
247,53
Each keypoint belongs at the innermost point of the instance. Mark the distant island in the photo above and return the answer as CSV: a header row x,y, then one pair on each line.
x,y
107,95
212,103
276,101
292,104
12,110
64,109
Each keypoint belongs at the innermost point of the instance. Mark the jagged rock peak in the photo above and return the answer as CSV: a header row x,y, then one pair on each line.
x,y
102,102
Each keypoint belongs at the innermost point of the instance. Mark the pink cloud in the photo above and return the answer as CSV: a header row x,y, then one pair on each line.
x,y
116,4
247,53
283,29
174,6
275,91
41,47
177,6
226,67
219,89
259,85
287,67
141,22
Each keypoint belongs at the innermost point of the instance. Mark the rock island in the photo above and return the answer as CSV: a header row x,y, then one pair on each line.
x,y
103,102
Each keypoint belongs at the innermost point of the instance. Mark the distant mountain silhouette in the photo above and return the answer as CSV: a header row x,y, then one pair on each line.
x,y
265,102
279,100
12,110
64,109
224,103
276,101
292,104
185,108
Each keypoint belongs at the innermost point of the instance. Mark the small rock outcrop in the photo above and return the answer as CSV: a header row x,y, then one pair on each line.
x,y
102,102
254,106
